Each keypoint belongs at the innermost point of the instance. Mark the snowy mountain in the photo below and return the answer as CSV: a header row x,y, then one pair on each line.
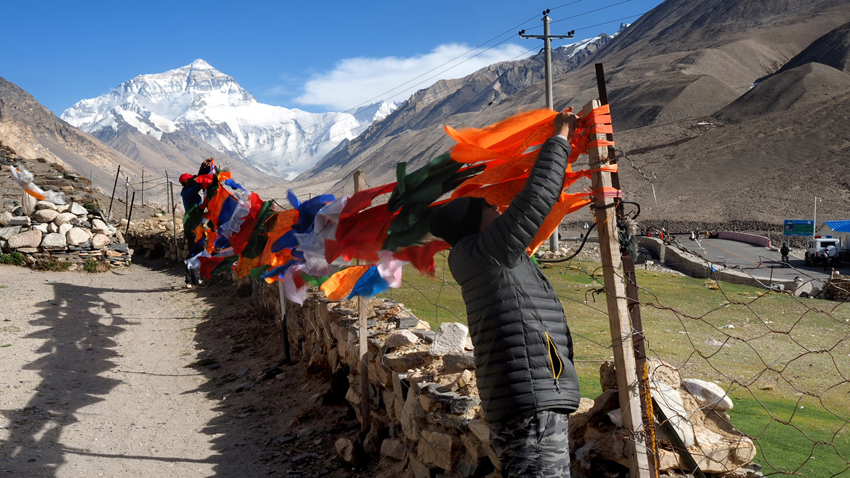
x,y
201,102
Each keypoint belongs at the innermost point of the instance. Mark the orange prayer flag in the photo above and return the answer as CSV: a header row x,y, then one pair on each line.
x,y
342,283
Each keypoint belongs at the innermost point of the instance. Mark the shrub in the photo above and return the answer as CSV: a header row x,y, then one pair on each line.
x,y
92,265
14,258
52,265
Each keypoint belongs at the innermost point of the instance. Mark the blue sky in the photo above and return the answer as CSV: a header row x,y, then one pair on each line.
x,y
323,56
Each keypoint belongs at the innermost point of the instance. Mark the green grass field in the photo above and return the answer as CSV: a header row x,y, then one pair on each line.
x,y
784,360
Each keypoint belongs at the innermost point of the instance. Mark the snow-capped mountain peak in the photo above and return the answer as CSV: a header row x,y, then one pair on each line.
x,y
210,105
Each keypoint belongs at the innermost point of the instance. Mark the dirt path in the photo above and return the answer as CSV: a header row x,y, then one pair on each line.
x,y
127,373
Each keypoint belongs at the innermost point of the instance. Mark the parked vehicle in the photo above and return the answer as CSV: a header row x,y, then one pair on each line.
x,y
823,248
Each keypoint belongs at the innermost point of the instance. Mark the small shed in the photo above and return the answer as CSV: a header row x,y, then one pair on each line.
x,y
839,229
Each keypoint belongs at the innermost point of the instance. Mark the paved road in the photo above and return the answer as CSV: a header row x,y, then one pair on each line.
x,y
756,260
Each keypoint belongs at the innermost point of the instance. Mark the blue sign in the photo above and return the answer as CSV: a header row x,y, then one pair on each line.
x,y
799,227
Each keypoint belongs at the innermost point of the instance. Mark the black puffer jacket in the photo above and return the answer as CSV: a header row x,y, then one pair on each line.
x,y
523,348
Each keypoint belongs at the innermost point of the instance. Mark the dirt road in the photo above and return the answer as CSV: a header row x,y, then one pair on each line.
x,y
127,373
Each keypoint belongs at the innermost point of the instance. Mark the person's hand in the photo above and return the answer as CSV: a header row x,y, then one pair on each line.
x,y
565,124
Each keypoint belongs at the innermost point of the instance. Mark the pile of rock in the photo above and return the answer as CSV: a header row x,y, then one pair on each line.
x,y
62,233
695,412
836,288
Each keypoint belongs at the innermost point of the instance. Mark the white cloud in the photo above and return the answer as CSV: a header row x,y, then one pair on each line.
x,y
355,81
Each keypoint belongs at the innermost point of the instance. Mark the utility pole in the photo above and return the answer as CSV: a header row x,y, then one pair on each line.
x,y
143,187
815,221
550,102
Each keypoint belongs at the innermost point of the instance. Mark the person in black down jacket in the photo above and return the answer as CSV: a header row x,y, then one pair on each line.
x,y
523,349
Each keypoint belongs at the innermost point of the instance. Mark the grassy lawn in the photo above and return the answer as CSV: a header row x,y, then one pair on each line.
x,y
785,361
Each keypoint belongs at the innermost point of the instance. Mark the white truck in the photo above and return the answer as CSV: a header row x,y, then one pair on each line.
x,y
820,248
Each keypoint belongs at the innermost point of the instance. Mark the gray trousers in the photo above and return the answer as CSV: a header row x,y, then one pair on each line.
x,y
535,445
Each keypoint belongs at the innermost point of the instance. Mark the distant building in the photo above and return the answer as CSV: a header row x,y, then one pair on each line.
x,y
840,230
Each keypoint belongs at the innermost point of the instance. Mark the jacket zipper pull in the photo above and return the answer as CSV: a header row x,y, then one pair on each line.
x,y
557,386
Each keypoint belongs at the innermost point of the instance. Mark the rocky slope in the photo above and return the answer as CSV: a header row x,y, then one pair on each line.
x,y
666,76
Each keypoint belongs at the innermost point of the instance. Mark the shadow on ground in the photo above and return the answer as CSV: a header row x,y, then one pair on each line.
x,y
275,419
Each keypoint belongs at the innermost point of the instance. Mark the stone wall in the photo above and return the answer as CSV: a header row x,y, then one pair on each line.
x,y
424,408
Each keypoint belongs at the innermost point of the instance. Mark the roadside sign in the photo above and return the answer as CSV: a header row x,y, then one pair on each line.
x,y
799,227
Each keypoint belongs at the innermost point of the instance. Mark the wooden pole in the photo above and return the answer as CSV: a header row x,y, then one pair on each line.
x,y
362,306
112,198
638,341
618,311
130,214
283,330
174,219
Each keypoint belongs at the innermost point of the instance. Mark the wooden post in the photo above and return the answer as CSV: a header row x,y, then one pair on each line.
x,y
174,219
283,330
618,311
362,310
112,198
130,214
638,342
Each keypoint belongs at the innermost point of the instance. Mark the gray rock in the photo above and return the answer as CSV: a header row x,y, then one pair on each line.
x,y
76,236
54,242
18,211
78,210
26,239
64,218
670,401
118,247
40,227
427,336
458,362
9,231
461,404
5,217
44,205
20,221
399,338
708,395
45,215
451,338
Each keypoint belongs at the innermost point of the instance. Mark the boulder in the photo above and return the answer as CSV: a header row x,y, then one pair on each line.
x,y
40,227
345,450
399,338
9,231
5,217
99,227
26,239
78,210
44,205
454,362
76,236
54,242
52,228
20,221
670,401
707,394
436,448
394,448
99,241
64,228
451,338
45,215
64,218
